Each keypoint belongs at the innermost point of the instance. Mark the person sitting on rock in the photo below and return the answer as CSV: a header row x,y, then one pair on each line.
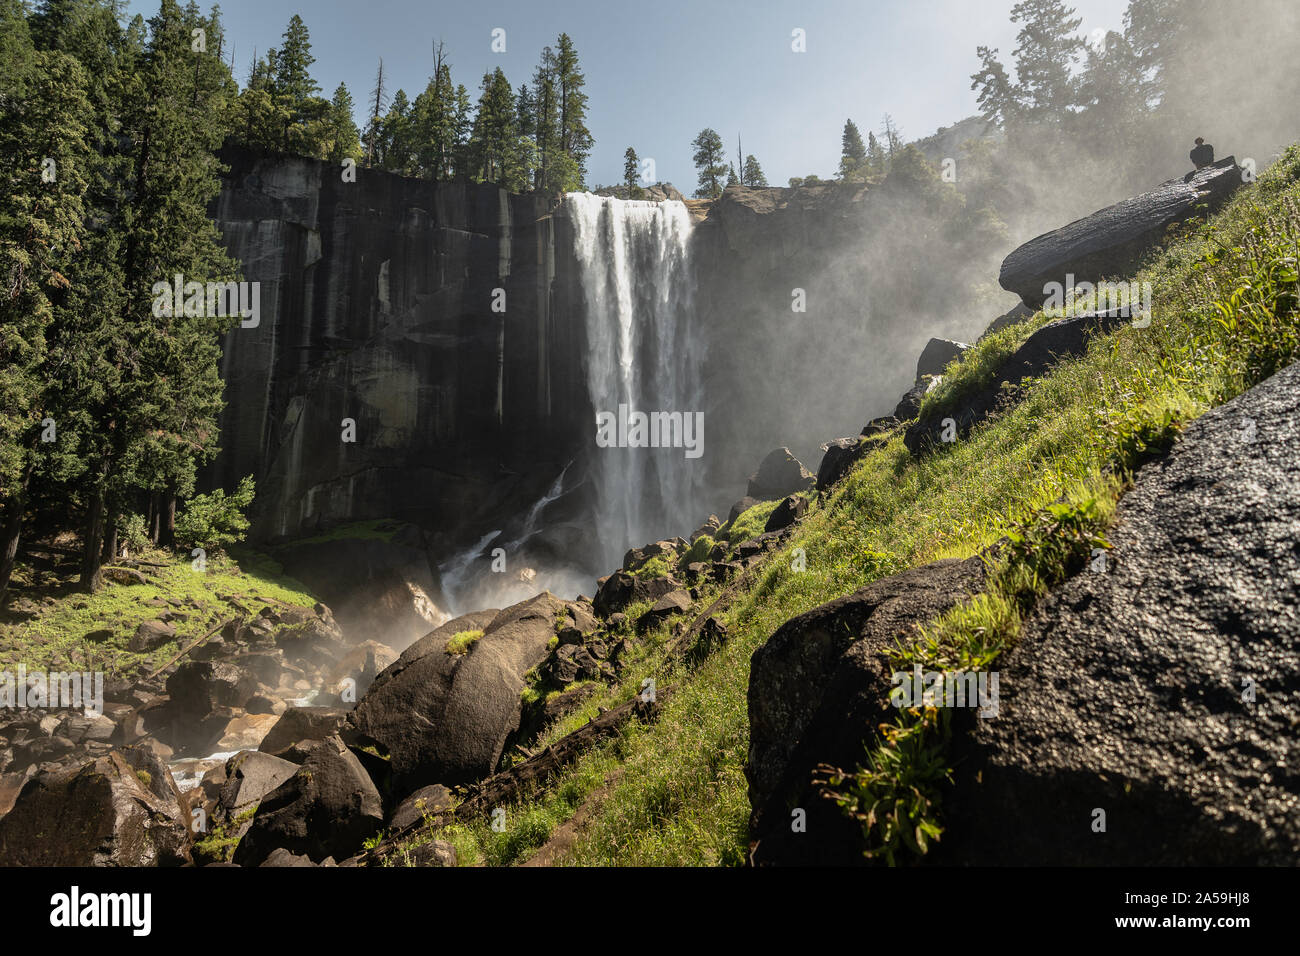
x,y
1203,154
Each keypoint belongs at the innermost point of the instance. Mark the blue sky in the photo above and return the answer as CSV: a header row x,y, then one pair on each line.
x,y
659,72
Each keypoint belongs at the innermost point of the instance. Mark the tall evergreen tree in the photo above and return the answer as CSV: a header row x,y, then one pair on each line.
x,y
709,163
853,152
752,173
630,167
44,141
342,140
1047,49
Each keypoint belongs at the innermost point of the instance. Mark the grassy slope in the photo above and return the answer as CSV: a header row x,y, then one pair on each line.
x,y
681,798
55,640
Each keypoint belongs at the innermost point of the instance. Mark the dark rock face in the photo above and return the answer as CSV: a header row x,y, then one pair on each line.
x,y
936,355
298,724
100,813
326,809
1056,340
444,718
429,801
817,690
909,406
787,513
376,306
778,475
1013,316
1126,691
836,462
1107,243
621,589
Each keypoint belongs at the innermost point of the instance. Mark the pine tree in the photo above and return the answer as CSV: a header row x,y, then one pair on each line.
x,y
732,178
575,141
630,167
999,103
342,140
853,153
48,119
1047,48
752,173
398,147
151,413
378,103
709,163
546,121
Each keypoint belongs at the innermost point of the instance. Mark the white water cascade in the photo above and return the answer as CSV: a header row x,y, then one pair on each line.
x,y
643,351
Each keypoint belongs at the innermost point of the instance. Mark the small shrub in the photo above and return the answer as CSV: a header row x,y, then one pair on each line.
x,y
215,521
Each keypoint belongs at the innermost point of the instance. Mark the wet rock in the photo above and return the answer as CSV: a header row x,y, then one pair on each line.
x,y
326,809
104,813
1128,689
817,690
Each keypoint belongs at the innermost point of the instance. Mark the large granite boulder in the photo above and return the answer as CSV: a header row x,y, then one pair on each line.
x,y
300,724
622,589
328,807
1163,686
936,355
817,690
1108,242
443,717
779,474
105,812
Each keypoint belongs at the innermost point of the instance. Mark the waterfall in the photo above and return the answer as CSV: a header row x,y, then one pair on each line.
x,y
644,352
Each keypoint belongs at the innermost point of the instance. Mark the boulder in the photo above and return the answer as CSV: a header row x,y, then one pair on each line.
x,y
104,812
839,457
444,718
740,507
1013,316
786,513
1127,691
327,808
672,603
909,406
151,635
622,589
936,355
430,800
778,475
1108,242
1063,338
120,575
710,528
818,688
301,724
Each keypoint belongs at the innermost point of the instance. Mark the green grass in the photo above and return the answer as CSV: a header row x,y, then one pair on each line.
x,y
749,523
381,529
1049,470
55,640
461,641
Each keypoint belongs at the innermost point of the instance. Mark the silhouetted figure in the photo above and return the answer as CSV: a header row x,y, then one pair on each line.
x,y
1202,154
